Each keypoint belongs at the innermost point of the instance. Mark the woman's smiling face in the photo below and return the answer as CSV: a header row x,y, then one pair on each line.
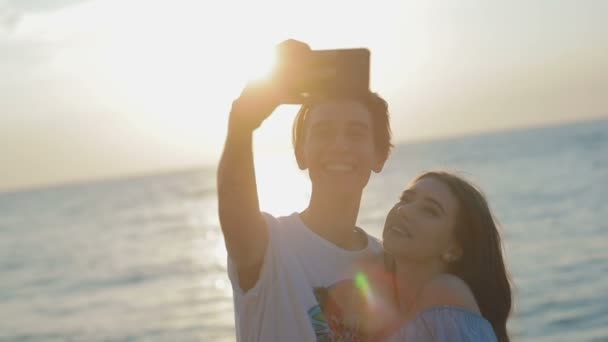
x,y
420,226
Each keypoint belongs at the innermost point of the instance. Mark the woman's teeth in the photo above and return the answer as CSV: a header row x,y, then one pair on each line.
x,y
400,230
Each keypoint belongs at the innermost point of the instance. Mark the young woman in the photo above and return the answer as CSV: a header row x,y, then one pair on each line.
x,y
443,249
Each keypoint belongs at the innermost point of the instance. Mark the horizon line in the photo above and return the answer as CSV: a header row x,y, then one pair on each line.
x,y
208,165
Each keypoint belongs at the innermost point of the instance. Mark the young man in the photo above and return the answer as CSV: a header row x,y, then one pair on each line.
x,y
289,272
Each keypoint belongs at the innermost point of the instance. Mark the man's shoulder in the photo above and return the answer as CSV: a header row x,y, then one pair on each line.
x,y
279,221
288,229
374,244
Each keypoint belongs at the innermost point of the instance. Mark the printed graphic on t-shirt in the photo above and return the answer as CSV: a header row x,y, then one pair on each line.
x,y
339,315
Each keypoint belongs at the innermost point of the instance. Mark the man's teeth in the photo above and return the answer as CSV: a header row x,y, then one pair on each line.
x,y
339,167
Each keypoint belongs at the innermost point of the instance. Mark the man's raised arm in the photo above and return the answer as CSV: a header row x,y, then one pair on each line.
x,y
243,226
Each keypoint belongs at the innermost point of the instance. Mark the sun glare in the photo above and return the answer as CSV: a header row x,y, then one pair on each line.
x,y
173,80
259,65
282,187
168,75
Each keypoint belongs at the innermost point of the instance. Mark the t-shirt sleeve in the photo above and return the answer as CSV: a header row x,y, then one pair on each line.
x,y
268,265
444,324
251,306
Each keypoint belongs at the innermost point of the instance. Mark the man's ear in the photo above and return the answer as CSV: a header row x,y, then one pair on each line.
x,y
300,158
379,162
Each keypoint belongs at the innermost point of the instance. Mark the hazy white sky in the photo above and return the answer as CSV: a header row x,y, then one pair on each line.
x,y
93,88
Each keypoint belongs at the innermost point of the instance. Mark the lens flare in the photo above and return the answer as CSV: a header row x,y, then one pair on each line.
x,y
362,283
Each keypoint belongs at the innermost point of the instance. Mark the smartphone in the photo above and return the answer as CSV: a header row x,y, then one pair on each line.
x,y
321,74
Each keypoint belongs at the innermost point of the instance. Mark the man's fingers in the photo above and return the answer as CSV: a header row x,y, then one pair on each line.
x,y
293,46
291,51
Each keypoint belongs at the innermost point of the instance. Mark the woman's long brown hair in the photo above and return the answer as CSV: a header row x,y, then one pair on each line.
x,y
481,266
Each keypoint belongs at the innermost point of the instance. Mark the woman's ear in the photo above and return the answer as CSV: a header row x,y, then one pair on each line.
x,y
453,253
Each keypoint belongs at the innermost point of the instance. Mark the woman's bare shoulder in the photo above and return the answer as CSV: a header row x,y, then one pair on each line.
x,y
447,290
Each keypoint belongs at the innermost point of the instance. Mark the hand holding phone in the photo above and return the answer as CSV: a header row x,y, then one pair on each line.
x,y
302,76
260,98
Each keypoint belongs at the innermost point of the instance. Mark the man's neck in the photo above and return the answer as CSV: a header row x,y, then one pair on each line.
x,y
335,219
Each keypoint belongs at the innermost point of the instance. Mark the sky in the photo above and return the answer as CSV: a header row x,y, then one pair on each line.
x,y
92,89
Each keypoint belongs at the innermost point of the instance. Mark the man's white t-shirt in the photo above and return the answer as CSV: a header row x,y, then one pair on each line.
x,y
290,301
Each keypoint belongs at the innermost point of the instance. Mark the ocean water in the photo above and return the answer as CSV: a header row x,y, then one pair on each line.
x,y
142,259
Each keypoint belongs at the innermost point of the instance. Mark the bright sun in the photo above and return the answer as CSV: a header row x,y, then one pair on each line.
x,y
173,75
169,73
183,79
160,78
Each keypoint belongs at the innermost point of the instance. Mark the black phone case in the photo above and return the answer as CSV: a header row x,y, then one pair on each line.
x,y
326,73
